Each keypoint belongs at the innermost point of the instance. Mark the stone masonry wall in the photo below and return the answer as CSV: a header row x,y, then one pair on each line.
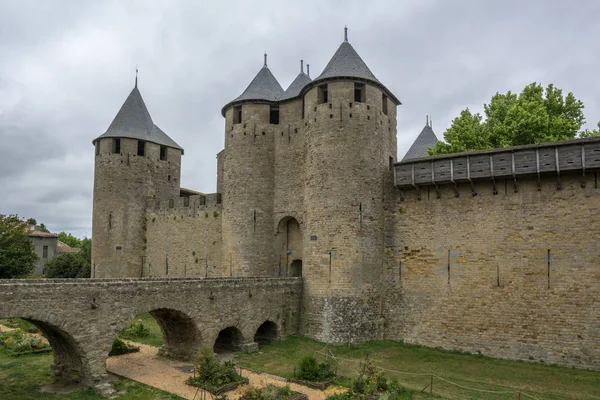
x,y
348,145
122,184
81,318
512,275
184,238
248,193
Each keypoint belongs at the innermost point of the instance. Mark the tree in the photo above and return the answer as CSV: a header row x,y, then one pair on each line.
x,y
534,116
17,253
67,265
587,133
31,221
43,228
69,239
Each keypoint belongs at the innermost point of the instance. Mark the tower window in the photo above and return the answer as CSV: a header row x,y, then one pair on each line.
x,y
45,252
141,148
163,152
97,147
323,95
116,146
274,115
384,102
237,114
359,92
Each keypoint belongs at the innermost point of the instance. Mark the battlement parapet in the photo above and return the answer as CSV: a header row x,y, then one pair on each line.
x,y
507,163
186,203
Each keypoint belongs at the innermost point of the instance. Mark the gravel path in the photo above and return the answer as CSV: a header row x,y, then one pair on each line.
x,y
169,375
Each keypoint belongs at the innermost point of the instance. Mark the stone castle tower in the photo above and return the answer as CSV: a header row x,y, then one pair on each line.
x,y
134,161
304,190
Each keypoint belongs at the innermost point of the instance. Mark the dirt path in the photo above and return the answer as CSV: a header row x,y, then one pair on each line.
x,y
170,375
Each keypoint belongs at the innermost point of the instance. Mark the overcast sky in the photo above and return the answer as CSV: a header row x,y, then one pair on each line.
x,y
67,66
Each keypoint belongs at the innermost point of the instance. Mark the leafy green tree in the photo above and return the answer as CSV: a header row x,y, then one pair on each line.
x,y
43,228
31,221
587,133
67,265
17,253
534,116
69,239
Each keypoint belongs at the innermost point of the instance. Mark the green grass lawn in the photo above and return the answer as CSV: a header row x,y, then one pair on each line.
x,y
21,378
155,337
542,381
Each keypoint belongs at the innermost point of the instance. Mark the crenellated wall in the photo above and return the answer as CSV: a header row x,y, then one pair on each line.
x,y
183,237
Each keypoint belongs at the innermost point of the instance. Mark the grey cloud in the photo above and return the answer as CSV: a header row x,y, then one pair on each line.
x,y
67,66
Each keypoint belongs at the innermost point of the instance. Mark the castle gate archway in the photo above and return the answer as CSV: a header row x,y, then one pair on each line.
x,y
288,242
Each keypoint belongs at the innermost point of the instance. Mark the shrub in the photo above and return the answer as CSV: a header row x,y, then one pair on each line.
x,y
211,374
311,370
16,341
269,392
120,347
136,330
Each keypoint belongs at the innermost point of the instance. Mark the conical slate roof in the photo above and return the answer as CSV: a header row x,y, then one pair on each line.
x,y
419,147
264,87
346,63
297,85
134,121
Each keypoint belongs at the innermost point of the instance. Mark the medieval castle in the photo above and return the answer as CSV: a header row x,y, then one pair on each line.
x,y
492,251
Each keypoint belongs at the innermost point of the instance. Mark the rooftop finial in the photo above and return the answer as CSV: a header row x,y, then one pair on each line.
x,y
430,121
136,74
308,70
427,120
265,59
302,66
345,33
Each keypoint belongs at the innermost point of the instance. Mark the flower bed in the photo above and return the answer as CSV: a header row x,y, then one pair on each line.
x,y
213,376
272,392
18,343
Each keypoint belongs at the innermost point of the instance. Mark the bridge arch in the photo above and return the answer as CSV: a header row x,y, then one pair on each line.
x,y
267,332
228,339
181,337
70,364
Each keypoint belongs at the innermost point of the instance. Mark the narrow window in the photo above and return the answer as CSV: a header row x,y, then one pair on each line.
x,y
384,104
116,146
274,115
323,95
359,92
302,107
45,252
163,152
169,178
237,114
391,163
97,147
141,148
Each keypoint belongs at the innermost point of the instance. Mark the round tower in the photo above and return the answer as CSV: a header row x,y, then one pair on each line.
x,y
135,162
350,148
251,121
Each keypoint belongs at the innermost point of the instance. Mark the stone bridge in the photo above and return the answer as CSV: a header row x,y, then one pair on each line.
x,y
82,317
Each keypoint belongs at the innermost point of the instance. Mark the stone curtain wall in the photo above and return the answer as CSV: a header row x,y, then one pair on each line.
x,y
471,272
184,238
81,318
